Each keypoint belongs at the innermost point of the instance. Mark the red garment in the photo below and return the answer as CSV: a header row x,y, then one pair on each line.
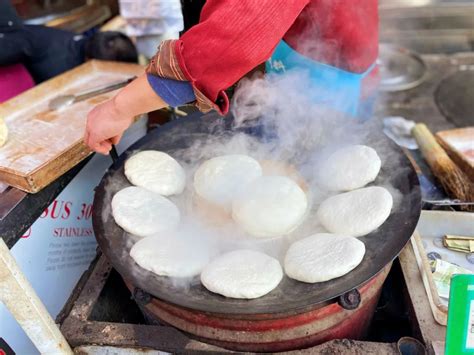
x,y
341,33
14,79
234,36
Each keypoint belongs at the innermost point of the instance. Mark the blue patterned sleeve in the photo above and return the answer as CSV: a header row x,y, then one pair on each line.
x,y
173,92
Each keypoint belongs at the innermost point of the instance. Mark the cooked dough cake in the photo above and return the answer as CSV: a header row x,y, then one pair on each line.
x,y
156,171
357,212
271,206
322,257
219,180
350,168
242,274
142,212
170,254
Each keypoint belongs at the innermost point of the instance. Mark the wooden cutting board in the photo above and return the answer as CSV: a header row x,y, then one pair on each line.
x,y
43,144
459,144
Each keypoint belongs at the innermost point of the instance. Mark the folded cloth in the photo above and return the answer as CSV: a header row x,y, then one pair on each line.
x,y
459,243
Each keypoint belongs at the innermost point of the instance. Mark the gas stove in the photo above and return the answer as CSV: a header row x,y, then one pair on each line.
x,y
103,311
102,315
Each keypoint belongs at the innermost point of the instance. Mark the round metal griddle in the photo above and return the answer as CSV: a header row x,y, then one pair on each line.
x,y
291,296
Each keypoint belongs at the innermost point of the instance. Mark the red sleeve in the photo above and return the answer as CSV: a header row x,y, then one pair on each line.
x,y
233,37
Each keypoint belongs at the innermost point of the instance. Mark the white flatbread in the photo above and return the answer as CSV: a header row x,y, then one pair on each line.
x,y
322,257
350,168
220,179
242,274
156,171
356,213
270,206
142,212
170,254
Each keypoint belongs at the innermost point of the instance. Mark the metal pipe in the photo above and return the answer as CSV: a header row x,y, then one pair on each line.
x,y
24,304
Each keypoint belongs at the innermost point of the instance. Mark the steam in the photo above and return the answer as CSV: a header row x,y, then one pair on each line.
x,y
275,118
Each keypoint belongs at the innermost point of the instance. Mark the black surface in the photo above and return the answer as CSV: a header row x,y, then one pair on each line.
x,y
391,318
115,303
382,246
455,98
32,206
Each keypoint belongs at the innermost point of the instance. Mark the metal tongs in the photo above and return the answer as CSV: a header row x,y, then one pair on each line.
x,y
63,101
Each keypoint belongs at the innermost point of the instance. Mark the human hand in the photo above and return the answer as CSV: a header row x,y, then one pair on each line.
x,y
105,126
107,121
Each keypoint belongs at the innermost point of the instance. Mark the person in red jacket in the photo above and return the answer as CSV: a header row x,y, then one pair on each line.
x,y
337,40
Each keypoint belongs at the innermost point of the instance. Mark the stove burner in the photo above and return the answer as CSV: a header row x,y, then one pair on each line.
x,y
454,97
400,69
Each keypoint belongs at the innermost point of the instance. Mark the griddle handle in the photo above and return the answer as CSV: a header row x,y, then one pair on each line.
x,y
114,154
350,300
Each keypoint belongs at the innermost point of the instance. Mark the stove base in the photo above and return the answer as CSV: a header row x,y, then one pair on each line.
x,y
269,332
100,311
